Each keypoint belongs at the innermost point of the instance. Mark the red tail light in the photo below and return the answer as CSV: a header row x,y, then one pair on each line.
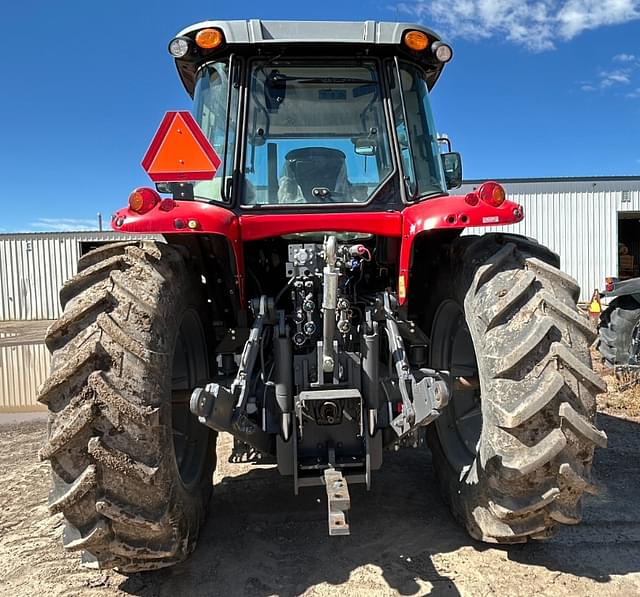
x,y
167,205
492,193
608,284
472,198
143,199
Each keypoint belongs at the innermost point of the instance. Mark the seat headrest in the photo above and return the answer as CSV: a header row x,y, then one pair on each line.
x,y
314,153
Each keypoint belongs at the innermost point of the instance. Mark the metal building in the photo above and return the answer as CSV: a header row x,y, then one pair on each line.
x,y
587,221
33,268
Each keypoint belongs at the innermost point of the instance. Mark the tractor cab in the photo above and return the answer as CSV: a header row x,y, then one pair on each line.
x,y
303,115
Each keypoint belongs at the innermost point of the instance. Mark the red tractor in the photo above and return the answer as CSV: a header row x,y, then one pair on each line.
x,y
314,298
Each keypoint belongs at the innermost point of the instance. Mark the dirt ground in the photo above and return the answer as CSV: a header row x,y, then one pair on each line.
x,y
260,540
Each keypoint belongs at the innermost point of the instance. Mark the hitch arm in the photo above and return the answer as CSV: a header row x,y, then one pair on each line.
x,y
403,370
423,396
224,409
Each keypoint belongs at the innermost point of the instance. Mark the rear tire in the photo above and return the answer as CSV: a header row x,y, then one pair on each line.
x,y
505,306
131,467
615,331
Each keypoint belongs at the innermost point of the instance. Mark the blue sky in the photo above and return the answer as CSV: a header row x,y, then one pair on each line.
x,y
544,88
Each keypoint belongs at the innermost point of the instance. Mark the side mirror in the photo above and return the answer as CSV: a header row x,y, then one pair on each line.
x,y
364,146
452,164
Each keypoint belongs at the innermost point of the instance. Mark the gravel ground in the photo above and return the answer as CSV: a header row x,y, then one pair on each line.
x,y
261,540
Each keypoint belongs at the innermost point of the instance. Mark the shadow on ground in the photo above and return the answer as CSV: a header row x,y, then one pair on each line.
x,y
261,540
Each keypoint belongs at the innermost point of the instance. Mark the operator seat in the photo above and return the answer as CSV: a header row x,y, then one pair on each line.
x,y
309,172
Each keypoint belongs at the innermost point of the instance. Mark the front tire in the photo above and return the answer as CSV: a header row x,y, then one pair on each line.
x,y
513,449
131,467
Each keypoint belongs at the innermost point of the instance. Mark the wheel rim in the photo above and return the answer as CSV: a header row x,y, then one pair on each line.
x,y
190,368
460,425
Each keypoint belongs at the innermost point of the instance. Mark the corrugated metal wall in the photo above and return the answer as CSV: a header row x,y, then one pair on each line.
x,y
33,268
577,220
23,368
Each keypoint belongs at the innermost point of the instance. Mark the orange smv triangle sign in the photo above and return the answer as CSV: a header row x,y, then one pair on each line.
x,y
180,151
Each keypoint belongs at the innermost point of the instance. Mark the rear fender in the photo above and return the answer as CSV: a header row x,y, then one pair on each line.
x,y
173,217
445,213
186,217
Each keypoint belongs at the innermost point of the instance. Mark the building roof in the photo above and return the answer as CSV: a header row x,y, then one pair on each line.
x,y
80,235
561,184
558,179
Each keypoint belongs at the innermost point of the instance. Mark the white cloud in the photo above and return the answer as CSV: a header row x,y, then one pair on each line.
x,y
635,94
62,224
625,58
576,16
617,75
535,24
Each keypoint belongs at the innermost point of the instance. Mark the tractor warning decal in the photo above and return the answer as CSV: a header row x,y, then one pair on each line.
x,y
180,151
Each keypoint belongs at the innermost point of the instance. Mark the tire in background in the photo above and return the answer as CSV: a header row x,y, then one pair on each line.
x,y
615,330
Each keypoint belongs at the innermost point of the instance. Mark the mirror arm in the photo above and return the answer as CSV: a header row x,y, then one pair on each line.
x,y
447,141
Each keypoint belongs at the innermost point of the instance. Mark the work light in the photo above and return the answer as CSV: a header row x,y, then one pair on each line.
x,y
442,51
179,46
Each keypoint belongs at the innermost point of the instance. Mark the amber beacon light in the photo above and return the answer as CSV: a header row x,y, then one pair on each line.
x,y
209,39
416,40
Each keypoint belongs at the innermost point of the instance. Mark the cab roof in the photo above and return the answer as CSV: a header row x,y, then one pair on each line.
x,y
305,33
